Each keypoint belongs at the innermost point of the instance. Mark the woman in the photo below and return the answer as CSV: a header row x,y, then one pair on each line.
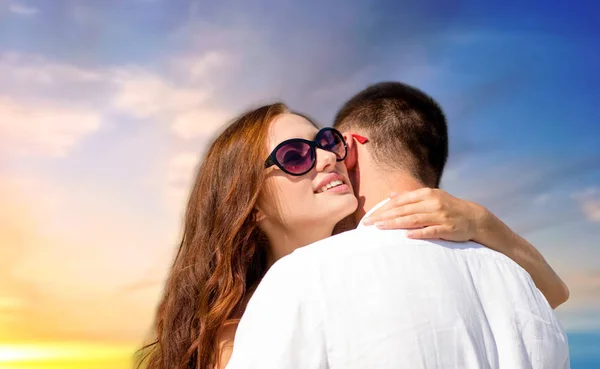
x,y
244,213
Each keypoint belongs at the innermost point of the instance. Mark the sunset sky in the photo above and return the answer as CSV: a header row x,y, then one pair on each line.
x,y
106,107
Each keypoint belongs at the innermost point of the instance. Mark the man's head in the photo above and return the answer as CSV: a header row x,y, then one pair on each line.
x,y
406,130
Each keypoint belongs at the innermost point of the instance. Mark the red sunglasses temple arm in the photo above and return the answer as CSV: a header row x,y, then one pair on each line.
x,y
359,138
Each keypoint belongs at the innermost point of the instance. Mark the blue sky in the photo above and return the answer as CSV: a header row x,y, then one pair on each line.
x,y
106,106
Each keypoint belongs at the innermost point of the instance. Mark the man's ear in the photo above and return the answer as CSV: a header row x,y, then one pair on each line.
x,y
352,157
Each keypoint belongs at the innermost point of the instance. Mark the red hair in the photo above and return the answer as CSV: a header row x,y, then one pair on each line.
x,y
222,253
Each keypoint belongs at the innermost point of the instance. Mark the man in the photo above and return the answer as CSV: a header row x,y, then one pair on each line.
x,y
369,298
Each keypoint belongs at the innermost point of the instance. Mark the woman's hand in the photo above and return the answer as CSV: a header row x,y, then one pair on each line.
x,y
435,214
430,213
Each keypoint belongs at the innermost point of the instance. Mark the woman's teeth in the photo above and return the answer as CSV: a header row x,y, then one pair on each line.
x,y
331,184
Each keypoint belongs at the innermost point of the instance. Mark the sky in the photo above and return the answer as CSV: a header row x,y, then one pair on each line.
x,y
107,106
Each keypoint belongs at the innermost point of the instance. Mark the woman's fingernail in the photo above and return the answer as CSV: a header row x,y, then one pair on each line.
x,y
392,194
380,224
367,221
409,234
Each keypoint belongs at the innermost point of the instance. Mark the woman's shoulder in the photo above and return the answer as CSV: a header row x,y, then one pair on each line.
x,y
226,335
225,339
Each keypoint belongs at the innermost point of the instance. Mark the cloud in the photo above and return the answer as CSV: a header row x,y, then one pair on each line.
x,y
196,92
47,106
184,95
37,116
585,289
22,9
511,185
589,203
199,67
199,122
144,95
43,128
180,174
36,69
534,199
582,310
263,67
585,320
190,110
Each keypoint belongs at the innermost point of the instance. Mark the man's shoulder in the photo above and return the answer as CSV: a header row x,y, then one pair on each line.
x,y
296,266
282,279
366,238
330,245
361,241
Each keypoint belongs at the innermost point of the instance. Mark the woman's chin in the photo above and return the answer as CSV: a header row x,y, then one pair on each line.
x,y
343,206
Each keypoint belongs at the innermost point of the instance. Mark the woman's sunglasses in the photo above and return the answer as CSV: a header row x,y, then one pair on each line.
x,y
298,156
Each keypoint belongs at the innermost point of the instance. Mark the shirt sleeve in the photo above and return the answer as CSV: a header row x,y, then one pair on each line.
x,y
280,328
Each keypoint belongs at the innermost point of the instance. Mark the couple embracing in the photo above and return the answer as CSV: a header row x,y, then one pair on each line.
x,y
335,248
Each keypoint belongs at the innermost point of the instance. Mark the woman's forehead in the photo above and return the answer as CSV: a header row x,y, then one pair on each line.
x,y
288,126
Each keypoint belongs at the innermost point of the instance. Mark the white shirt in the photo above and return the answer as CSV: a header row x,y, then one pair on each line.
x,y
369,298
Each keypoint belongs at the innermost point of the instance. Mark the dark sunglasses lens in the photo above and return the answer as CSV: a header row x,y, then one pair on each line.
x,y
296,157
333,142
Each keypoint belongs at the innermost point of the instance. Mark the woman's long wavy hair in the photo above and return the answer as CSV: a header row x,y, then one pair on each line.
x,y
222,252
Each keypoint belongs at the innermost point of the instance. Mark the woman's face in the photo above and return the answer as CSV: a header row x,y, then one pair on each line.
x,y
305,203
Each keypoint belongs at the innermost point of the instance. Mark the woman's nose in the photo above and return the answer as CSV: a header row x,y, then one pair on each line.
x,y
325,160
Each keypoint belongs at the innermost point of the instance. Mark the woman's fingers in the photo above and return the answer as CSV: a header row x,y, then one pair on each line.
x,y
395,212
400,199
430,213
433,232
410,197
426,206
409,221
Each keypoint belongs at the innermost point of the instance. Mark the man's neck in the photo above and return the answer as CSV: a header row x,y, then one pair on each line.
x,y
377,185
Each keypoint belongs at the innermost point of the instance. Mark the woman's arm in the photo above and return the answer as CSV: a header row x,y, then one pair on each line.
x,y
435,214
496,235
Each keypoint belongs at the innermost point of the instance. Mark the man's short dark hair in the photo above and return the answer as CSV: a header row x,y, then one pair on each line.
x,y
406,128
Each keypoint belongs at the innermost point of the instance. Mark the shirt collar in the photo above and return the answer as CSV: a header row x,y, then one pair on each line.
x,y
373,209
